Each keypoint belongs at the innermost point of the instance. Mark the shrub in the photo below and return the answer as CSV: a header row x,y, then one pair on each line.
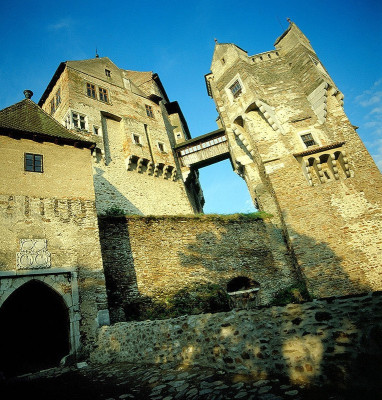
x,y
296,294
114,211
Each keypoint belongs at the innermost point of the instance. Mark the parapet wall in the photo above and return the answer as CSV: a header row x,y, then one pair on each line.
x,y
325,341
155,257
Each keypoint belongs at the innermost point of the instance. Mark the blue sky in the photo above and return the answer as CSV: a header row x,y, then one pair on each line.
x,y
176,40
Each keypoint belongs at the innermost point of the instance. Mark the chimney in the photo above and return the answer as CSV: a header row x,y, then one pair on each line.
x,y
28,94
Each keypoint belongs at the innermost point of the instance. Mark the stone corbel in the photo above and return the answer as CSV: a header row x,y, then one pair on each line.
x,y
128,162
334,166
165,170
306,169
140,164
174,174
156,170
319,171
150,168
345,161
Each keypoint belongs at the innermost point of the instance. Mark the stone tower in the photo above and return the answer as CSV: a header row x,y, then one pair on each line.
x,y
129,116
302,160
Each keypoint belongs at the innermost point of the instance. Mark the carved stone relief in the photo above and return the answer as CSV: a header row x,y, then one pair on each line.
x,y
33,254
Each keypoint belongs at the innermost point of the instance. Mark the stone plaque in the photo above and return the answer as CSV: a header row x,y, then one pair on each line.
x,y
33,254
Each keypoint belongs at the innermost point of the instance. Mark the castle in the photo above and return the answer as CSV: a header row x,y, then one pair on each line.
x,y
103,139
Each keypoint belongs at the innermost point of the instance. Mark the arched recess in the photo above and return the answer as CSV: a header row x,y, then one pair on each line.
x,y
35,329
244,292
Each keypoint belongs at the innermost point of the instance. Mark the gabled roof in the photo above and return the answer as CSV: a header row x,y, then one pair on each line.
x,y
28,120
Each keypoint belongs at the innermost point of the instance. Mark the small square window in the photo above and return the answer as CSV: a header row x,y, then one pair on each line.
x,y
149,111
236,89
90,90
103,96
136,139
33,162
308,140
161,147
96,130
108,73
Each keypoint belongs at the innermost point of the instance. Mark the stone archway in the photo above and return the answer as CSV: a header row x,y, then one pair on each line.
x,y
35,329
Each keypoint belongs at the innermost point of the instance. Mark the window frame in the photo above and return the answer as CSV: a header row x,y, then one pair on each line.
x,y
311,139
52,106
91,90
57,97
149,111
103,94
34,156
139,137
70,124
237,93
163,150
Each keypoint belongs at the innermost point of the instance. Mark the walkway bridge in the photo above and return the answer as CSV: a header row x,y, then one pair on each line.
x,y
203,150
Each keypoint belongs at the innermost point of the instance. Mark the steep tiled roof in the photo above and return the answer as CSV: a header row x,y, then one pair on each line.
x,y
28,119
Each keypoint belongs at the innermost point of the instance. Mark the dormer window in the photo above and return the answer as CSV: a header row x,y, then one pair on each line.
x,y
236,89
308,140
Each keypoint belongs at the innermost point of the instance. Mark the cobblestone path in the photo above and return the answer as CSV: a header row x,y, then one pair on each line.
x,y
123,381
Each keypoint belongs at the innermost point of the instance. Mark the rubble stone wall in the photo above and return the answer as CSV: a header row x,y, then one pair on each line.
x,y
324,341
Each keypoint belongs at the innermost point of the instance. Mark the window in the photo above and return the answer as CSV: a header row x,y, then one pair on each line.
x,y
236,89
103,94
149,111
161,147
78,121
136,139
90,90
108,73
33,162
308,140
52,107
96,130
58,98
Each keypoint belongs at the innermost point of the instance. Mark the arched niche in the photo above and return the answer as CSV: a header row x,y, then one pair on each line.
x,y
243,292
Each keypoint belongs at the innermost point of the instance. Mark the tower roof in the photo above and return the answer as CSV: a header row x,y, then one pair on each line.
x,y
28,120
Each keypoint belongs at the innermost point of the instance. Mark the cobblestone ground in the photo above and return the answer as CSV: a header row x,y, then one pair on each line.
x,y
167,382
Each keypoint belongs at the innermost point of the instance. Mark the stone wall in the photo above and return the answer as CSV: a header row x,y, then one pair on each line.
x,y
56,180
66,236
155,257
327,341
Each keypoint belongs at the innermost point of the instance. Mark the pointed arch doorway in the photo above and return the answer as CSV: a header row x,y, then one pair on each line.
x,y
34,332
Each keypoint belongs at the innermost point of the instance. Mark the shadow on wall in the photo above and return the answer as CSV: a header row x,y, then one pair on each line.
x,y
120,275
205,266
108,196
334,343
